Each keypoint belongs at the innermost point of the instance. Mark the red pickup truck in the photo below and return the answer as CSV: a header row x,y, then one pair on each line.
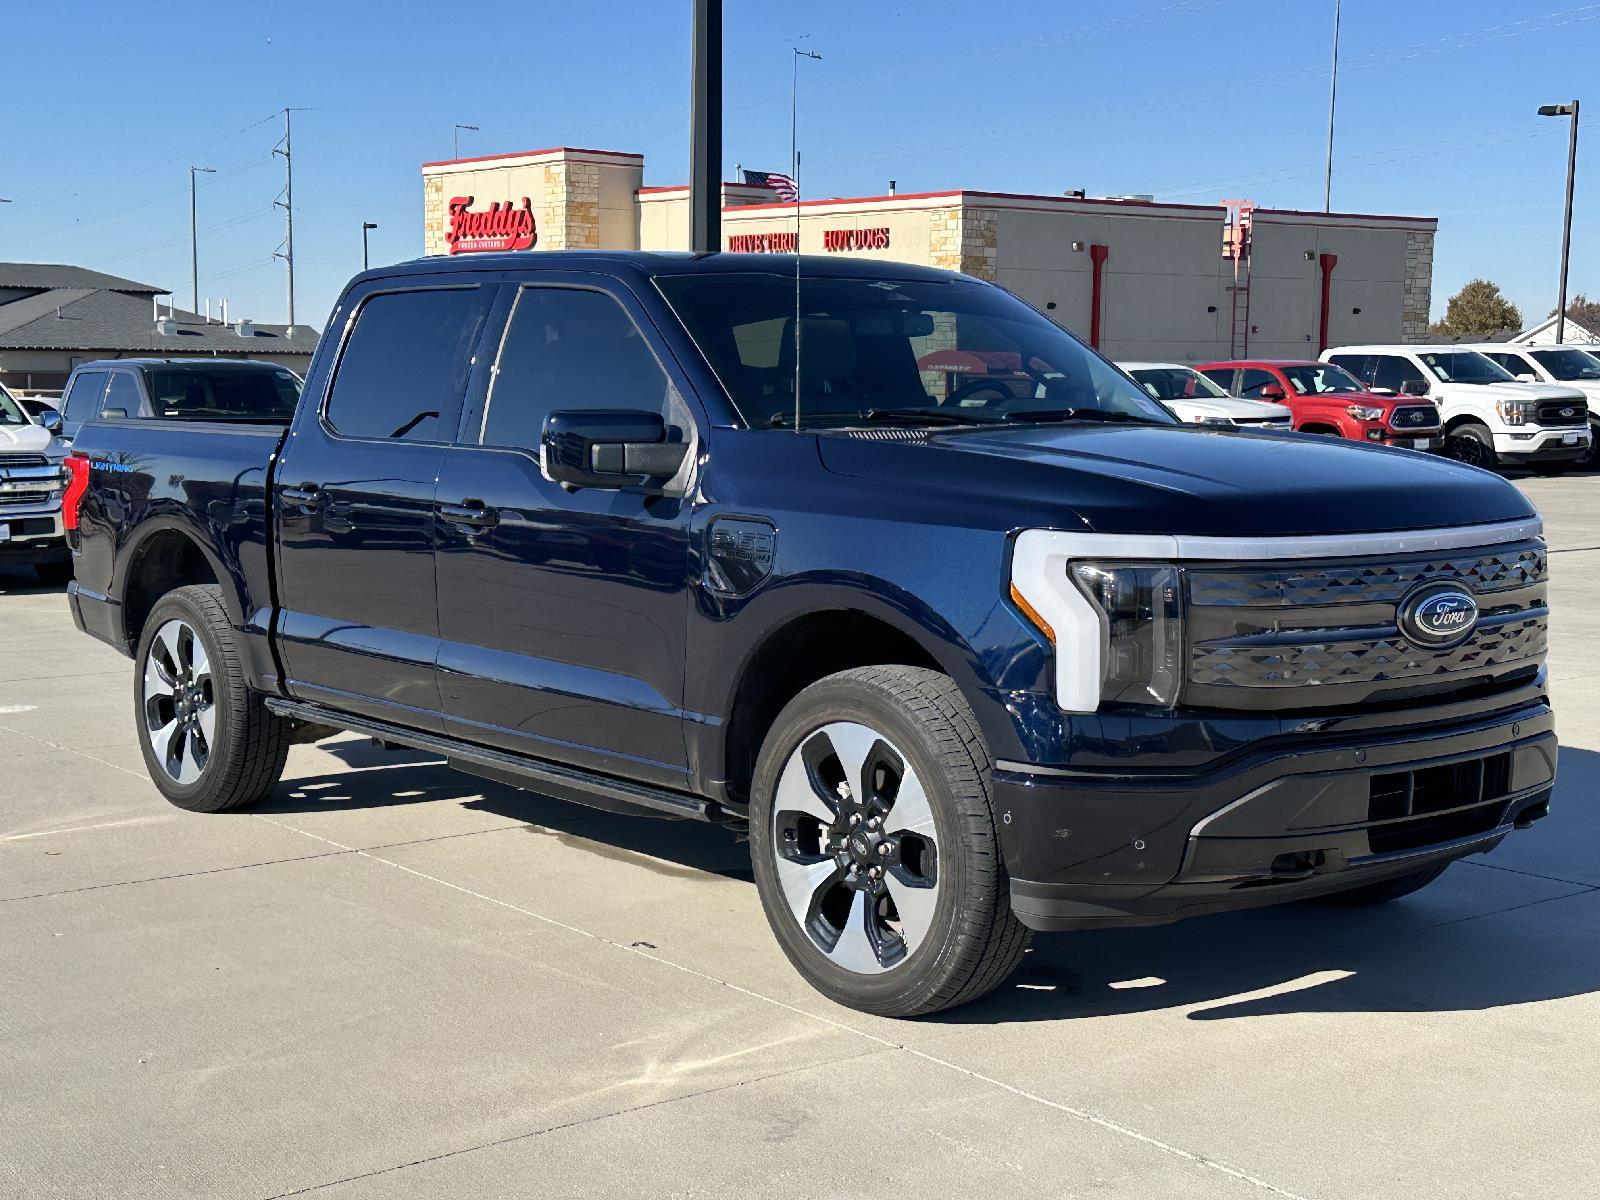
x,y
1328,399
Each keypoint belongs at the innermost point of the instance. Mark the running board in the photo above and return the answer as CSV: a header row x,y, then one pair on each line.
x,y
554,779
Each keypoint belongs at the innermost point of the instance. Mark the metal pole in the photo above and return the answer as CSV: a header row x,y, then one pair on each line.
x,y
288,211
364,261
455,144
1333,96
194,235
705,129
1566,226
794,173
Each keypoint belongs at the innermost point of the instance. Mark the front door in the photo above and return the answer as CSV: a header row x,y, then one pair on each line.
x,y
354,494
563,614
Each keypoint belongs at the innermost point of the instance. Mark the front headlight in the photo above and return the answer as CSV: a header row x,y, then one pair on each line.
x,y
1141,620
1364,412
1514,412
1228,421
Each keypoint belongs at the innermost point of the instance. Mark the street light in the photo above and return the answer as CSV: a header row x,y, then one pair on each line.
x,y
365,226
1565,110
194,234
456,135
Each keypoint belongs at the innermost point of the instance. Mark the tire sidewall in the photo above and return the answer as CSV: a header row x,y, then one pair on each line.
x,y
852,700
200,794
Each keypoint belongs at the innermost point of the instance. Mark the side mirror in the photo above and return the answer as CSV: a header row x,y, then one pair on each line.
x,y
1414,387
1272,391
605,448
1527,377
115,413
51,420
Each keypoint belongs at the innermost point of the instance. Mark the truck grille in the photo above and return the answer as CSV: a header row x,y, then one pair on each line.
x,y
1334,626
23,460
23,497
1563,412
1415,416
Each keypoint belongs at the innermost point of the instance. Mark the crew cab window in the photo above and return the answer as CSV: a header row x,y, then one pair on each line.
x,y
567,348
1253,379
232,394
1568,364
1393,372
1514,363
123,393
402,364
1221,376
1320,379
83,397
1359,365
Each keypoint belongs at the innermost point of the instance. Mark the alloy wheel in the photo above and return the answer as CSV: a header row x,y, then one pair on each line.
x,y
855,847
179,702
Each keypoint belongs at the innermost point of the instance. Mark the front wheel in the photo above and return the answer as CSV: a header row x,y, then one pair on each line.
x,y
1587,460
1472,444
209,742
874,844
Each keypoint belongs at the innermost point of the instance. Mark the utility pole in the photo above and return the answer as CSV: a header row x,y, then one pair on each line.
x,y
1333,96
365,226
455,144
705,129
194,234
287,204
1565,110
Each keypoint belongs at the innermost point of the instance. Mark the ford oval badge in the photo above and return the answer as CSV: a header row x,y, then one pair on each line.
x,y
1437,615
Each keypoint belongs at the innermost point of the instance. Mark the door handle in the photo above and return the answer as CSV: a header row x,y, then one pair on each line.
x,y
470,512
307,495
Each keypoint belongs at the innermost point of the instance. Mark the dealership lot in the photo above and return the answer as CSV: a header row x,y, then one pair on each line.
x,y
395,980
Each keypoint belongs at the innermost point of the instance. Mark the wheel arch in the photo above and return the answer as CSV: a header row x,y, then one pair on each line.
x,y
165,556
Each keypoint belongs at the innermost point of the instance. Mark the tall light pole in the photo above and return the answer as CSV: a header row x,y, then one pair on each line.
x,y
365,226
1565,110
194,233
794,176
1333,96
705,128
455,134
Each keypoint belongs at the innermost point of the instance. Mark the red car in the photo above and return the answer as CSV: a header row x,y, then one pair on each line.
x,y
1328,399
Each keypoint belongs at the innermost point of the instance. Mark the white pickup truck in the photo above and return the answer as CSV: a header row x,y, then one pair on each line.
x,y
1490,418
31,482
1571,366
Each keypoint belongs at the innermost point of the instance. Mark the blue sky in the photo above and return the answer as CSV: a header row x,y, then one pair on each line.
x,y
1193,100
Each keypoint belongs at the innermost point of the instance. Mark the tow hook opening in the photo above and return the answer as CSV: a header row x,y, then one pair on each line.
x,y
1299,864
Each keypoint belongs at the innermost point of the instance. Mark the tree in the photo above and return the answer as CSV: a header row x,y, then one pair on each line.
x,y
1479,309
1584,311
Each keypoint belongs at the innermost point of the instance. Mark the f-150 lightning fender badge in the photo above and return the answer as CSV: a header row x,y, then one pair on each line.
x,y
739,555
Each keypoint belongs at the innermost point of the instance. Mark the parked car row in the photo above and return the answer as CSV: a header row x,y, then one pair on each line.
x,y
1487,405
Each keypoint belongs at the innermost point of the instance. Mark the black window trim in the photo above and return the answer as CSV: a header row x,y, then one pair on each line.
x,y
485,287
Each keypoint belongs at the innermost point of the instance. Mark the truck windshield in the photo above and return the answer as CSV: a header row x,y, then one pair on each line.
x,y
10,411
896,352
1176,383
1320,379
1568,364
1466,366
237,394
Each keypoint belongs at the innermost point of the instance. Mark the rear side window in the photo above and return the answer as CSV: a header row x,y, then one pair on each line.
x,y
1253,379
268,394
1514,363
1358,365
567,348
1221,376
123,394
83,397
403,363
1394,371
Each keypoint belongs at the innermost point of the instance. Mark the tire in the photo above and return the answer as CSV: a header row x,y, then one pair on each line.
x,y
1472,444
1389,889
816,842
54,574
1591,455
189,679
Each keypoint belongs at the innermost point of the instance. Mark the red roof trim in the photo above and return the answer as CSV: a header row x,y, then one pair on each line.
x,y
450,162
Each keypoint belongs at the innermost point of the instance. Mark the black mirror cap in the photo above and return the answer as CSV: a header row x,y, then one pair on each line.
x,y
1414,387
608,448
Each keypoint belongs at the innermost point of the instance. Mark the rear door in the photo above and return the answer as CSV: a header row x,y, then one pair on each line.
x,y
563,614
358,625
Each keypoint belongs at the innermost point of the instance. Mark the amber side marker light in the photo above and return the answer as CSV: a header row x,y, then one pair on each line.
x,y
1032,614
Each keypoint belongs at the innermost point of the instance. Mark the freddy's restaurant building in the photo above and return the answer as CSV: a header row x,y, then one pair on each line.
x,y
1136,278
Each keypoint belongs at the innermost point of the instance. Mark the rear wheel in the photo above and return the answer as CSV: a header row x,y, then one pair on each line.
x,y
1472,444
209,742
1389,889
874,844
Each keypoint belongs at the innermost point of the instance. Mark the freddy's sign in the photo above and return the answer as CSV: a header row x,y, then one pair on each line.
x,y
505,226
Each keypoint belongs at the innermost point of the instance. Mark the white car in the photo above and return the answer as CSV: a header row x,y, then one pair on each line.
x,y
1573,366
1489,417
1195,399
31,483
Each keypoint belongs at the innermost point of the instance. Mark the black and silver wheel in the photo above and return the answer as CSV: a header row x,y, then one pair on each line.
x,y
1472,444
874,844
209,742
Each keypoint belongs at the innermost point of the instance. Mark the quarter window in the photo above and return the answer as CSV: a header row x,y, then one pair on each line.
x,y
568,348
403,364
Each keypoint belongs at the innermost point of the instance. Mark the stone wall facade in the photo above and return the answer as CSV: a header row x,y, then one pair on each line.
x,y
1419,286
435,220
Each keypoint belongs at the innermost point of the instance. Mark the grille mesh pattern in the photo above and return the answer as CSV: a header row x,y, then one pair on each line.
x,y
1415,416
1365,582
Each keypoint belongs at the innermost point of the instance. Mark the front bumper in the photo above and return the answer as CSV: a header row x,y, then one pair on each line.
x,y
1299,817
1543,445
33,536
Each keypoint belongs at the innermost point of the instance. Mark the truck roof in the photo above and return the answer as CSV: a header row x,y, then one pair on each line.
x,y
183,364
660,262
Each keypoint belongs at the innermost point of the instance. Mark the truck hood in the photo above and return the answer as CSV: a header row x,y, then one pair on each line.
x,y
34,439
1491,392
1234,408
1173,480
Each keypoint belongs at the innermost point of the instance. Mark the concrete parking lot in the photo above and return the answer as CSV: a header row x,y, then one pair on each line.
x,y
398,981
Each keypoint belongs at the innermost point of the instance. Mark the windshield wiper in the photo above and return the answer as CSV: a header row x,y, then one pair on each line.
x,y
1110,416
927,416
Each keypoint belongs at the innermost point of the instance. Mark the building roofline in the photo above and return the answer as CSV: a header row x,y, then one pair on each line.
x,y
483,158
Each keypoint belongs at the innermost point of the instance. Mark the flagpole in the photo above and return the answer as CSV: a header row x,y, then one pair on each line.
x,y
794,173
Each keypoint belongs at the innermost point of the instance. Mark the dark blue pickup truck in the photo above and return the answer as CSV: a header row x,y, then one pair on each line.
x,y
969,632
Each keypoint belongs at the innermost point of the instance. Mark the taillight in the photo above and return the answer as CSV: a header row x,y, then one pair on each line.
x,y
77,487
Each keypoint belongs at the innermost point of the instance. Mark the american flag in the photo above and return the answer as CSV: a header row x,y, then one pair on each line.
x,y
787,191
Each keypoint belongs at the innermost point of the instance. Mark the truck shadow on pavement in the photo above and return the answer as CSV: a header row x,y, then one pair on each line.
x,y
1491,932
